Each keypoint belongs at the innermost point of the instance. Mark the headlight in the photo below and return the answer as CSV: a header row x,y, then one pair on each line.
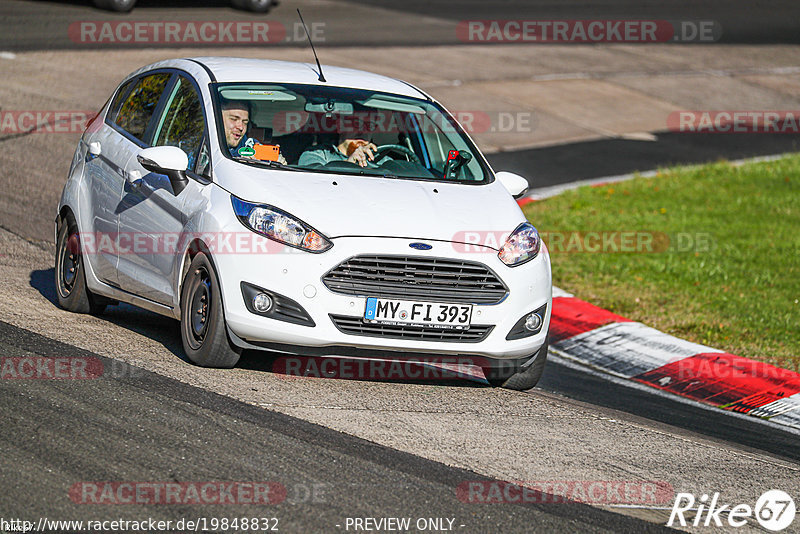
x,y
280,226
521,246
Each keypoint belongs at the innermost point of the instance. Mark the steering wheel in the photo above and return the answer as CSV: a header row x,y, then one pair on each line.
x,y
383,150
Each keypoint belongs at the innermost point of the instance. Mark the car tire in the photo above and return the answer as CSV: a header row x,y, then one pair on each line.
x,y
256,6
520,380
203,331
70,275
121,6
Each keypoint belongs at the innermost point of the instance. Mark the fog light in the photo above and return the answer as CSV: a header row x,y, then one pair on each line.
x,y
533,322
262,303
529,324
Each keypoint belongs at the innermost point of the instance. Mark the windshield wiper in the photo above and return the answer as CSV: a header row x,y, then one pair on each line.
x,y
267,163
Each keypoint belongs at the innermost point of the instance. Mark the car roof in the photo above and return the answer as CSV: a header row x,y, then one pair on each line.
x,y
234,69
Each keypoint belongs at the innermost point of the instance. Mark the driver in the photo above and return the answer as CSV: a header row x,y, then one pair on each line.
x,y
235,119
326,150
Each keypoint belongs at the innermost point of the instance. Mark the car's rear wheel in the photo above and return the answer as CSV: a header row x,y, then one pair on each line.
x,y
70,276
203,332
521,378
257,6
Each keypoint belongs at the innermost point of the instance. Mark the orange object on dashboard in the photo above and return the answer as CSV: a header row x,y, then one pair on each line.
x,y
267,152
354,144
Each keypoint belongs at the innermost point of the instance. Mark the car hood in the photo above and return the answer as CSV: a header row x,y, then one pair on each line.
x,y
343,205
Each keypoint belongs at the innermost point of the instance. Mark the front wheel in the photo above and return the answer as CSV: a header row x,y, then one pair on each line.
x,y
203,333
519,379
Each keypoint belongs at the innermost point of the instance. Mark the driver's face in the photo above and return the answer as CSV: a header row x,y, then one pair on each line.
x,y
235,121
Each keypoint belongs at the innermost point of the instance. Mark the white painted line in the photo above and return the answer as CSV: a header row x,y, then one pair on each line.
x,y
674,73
8,55
785,411
639,136
542,193
566,76
558,292
628,349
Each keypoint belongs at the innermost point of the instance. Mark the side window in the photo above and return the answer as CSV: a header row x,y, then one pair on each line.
x,y
119,98
203,162
182,124
138,109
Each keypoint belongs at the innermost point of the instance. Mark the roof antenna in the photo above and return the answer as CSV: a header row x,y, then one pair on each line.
x,y
321,76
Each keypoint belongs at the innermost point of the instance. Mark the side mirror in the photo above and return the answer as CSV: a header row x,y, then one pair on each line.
x,y
170,161
514,183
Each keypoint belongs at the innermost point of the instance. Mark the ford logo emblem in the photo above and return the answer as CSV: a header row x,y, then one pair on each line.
x,y
420,246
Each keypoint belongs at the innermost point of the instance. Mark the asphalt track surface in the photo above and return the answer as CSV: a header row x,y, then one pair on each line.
x,y
146,427
570,162
138,425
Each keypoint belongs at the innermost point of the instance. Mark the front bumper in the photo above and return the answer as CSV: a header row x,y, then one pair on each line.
x,y
298,275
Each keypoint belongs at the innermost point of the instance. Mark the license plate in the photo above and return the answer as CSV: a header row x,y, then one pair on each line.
x,y
410,312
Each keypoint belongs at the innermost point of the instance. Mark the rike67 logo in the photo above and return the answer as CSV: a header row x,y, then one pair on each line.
x,y
774,510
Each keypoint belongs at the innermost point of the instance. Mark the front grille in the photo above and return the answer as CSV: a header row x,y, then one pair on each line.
x,y
411,277
357,327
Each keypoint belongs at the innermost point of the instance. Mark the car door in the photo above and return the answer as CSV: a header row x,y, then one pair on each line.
x,y
151,215
104,175
126,125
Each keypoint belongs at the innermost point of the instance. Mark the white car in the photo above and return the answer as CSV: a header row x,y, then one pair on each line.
x,y
269,206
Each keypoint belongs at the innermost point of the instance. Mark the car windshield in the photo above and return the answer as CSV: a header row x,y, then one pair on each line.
x,y
323,129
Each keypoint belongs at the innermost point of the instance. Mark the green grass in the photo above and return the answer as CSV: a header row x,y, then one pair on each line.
x,y
740,295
